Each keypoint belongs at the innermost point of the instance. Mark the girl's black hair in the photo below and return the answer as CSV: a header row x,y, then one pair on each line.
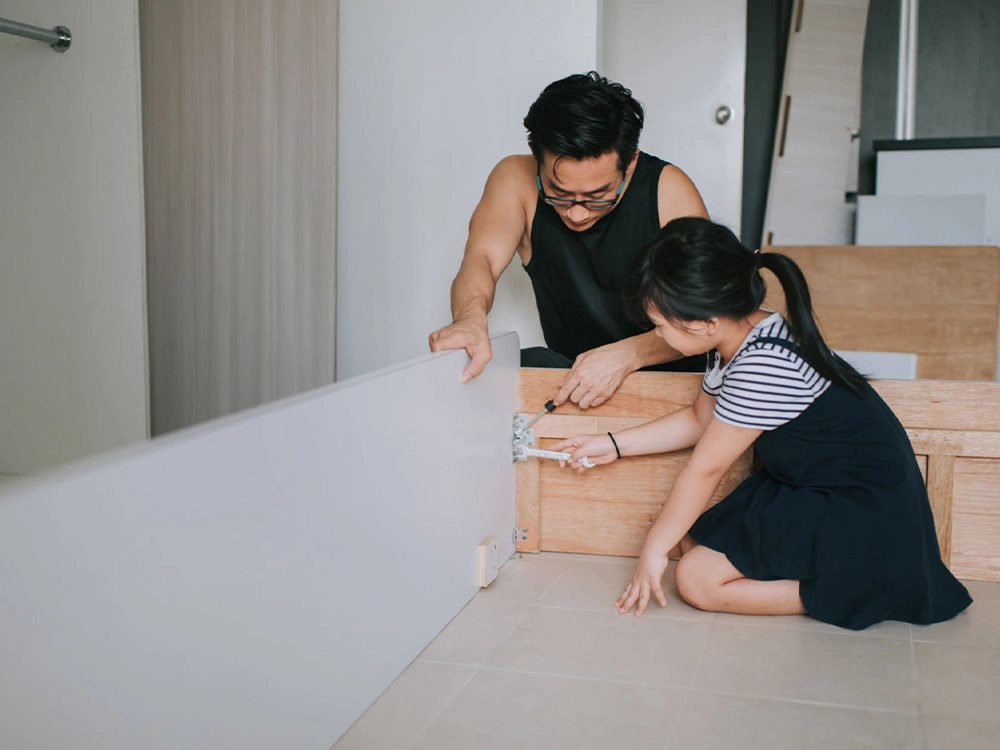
x,y
584,116
695,269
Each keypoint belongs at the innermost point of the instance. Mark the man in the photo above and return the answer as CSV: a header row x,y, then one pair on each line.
x,y
577,212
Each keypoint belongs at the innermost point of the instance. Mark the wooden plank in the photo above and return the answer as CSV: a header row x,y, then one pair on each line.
x,y
959,443
609,511
940,489
643,394
924,404
975,534
241,584
528,508
942,405
941,302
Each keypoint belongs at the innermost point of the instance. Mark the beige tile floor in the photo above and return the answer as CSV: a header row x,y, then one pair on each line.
x,y
541,660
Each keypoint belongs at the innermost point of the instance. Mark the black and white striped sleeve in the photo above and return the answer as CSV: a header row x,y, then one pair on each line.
x,y
766,388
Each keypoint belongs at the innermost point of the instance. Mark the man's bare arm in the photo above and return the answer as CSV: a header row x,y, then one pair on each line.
x,y
677,196
495,231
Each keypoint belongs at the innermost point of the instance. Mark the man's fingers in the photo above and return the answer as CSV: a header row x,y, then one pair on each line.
x,y
568,386
479,360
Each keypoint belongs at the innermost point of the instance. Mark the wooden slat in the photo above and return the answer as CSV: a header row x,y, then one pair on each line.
x,y
528,508
942,405
959,443
643,394
923,404
975,533
941,302
609,511
940,489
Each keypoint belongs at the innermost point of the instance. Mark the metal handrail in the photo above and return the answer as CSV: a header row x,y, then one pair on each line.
x,y
59,38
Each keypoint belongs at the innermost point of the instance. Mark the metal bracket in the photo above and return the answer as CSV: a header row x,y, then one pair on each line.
x,y
521,439
520,535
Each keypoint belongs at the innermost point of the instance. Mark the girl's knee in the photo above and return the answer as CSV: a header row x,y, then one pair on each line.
x,y
693,582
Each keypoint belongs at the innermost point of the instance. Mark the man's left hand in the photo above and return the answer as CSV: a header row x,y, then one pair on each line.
x,y
596,375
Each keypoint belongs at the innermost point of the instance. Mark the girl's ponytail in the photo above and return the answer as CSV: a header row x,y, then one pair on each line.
x,y
803,324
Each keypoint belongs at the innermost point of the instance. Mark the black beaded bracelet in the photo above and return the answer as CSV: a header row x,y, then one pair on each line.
x,y
615,443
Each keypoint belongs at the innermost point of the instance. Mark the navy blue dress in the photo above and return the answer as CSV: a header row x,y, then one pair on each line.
x,y
841,507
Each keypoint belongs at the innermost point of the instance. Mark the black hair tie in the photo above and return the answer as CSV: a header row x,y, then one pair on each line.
x,y
615,443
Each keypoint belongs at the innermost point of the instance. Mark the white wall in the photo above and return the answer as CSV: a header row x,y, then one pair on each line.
x,y
432,96
72,328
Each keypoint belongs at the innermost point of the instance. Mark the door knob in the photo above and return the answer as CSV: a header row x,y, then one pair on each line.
x,y
723,114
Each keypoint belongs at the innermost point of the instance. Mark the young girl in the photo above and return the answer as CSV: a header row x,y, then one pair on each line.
x,y
837,524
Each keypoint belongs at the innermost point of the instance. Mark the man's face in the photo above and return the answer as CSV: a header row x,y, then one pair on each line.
x,y
581,180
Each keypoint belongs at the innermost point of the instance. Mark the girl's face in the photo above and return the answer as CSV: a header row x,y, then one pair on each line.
x,y
690,337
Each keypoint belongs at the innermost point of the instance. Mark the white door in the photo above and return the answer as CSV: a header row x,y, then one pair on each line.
x,y
72,334
686,62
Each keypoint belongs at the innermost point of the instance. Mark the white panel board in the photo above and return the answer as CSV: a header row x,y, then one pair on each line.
x,y
645,44
883,365
949,171
921,220
958,171
432,95
254,582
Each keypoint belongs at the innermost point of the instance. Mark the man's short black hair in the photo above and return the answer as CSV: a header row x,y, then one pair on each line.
x,y
585,116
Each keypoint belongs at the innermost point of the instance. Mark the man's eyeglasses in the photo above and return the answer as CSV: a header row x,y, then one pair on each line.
x,y
593,205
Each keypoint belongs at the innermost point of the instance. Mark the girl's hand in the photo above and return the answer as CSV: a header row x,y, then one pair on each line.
x,y
598,448
646,581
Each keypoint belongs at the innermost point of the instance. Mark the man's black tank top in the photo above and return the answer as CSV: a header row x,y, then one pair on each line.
x,y
578,277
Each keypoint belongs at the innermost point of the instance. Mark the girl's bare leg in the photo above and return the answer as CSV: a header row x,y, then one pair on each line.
x,y
707,580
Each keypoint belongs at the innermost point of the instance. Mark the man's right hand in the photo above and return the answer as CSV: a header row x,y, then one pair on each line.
x,y
474,337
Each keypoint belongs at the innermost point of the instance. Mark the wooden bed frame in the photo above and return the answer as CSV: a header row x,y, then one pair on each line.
x,y
954,428
943,303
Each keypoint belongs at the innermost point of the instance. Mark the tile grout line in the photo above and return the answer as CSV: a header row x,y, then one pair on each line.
x,y
844,632
555,581
705,691
677,720
701,656
448,704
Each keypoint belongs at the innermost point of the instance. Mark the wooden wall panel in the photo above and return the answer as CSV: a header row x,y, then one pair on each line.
x,y
976,521
239,127
943,303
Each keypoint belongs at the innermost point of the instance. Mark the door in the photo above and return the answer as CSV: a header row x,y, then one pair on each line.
x,y
686,63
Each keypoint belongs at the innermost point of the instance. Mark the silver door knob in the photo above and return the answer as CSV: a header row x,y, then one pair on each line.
x,y
723,114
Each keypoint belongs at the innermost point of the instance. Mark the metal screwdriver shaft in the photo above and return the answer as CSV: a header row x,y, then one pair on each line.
x,y
549,407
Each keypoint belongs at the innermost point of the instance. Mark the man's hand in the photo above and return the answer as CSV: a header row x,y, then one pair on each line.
x,y
465,334
596,375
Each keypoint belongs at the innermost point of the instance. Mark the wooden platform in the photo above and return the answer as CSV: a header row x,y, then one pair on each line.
x,y
943,303
954,428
